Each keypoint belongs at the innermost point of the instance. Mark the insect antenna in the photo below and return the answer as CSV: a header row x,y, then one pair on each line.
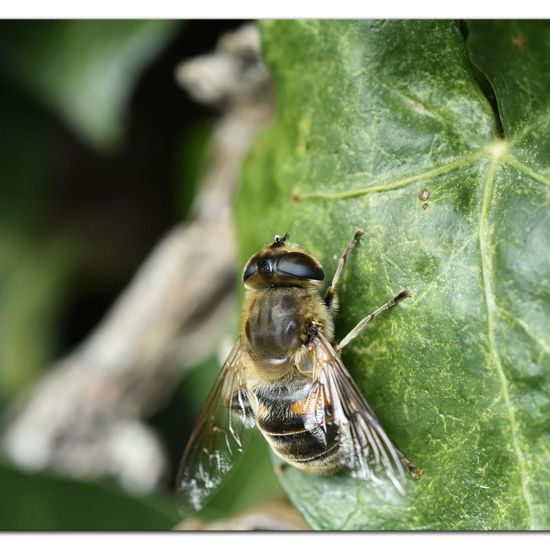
x,y
287,232
271,232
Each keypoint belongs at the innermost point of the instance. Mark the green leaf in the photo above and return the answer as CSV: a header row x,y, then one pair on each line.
x,y
84,70
31,300
50,503
514,57
374,116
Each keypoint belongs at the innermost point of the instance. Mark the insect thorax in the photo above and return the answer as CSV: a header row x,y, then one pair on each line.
x,y
274,326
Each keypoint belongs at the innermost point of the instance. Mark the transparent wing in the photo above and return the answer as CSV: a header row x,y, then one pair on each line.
x,y
219,437
368,448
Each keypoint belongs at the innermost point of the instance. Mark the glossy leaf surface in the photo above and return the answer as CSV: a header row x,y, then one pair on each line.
x,y
386,126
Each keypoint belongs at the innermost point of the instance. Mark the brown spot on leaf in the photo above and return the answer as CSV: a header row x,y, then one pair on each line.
x,y
520,42
424,195
425,205
296,195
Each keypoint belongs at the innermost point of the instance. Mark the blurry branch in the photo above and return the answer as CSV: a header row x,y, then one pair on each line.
x,y
272,516
234,74
84,417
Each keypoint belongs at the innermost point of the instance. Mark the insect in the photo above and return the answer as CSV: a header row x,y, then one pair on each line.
x,y
285,376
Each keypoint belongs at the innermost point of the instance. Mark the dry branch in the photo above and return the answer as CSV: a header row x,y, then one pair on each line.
x,y
84,417
271,516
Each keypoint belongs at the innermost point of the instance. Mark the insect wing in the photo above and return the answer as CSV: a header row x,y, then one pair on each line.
x,y
333,389
219,437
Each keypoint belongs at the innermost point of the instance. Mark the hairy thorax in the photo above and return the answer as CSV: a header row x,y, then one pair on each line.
x,y
275,327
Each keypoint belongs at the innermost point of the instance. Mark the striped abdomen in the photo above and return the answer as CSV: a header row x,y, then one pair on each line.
x,y
281,417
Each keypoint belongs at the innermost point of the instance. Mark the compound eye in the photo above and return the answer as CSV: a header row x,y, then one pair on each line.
x,y
250,270
300,266
266,266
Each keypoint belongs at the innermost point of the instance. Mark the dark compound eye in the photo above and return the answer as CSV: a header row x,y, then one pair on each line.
x,y
266,266
300,266
251,268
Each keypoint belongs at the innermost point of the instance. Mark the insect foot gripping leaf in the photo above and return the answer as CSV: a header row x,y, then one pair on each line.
x,y
387,126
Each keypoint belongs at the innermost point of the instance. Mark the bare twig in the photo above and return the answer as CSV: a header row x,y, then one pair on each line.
x,y
84,416
272,516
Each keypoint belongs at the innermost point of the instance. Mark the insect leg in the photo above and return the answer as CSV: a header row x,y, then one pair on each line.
x,y
331,291
408,465
355,331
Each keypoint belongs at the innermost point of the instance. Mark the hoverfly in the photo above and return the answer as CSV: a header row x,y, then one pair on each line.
x,y
285,376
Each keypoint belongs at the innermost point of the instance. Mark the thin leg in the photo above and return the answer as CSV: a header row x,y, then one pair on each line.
x,y
408,465
354,332
331,291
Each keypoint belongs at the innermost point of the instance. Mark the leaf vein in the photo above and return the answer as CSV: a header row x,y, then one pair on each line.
x,y
538,339
518,165
541,121
421,107
490,302
399,182
449,267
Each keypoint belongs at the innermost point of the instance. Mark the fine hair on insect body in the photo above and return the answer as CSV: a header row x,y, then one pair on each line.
x,y
285,377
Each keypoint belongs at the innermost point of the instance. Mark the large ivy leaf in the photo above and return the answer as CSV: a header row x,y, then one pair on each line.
x,y
374,116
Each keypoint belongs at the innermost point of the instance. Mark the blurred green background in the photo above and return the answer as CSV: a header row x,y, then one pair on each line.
x,y
101,153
